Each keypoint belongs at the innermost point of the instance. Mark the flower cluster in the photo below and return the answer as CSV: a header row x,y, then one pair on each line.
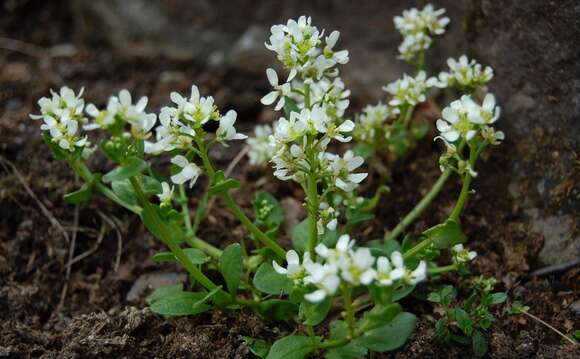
x,y
372,120
464,120
418,27
62,114
345,264
410,90
299,47
462,255
465,74
120,110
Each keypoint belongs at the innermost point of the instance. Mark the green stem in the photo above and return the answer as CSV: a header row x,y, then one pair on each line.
x,y
443,269
165,236
236,210
420,207
203,246
185,208
256,232
418,248
336,343
307,96
83,172
312,206
348,307
473,153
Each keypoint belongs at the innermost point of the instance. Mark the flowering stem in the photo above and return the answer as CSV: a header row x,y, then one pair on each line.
x,y
185,209
312,204
307,95
236,210
420,207
165,236
83,172
256,232
348,307
443,269
419,247
465,187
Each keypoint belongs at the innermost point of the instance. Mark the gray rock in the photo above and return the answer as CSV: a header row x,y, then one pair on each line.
x,y
148,282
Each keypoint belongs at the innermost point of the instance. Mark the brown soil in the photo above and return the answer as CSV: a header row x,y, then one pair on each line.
x,y
42,314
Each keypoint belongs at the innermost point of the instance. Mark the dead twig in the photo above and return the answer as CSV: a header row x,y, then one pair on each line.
x,y
115,227
10,167
94,248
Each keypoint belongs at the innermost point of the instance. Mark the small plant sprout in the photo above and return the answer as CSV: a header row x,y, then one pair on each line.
x,y
326,278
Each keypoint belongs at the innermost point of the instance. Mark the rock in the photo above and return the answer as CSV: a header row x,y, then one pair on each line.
x,y
150,281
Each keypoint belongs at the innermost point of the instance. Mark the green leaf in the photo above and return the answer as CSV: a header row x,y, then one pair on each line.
x,y
131,168
445,235
258,347
355,216
277,309
497,298
222,184
300,236
442,331
231,264
83,194
162,292
182,303
124,190
293,347
434,297
195,255
402,291
364,149
268,210
348,351
463,320
290,106
479,343
380,247
266,280
56,150
314,313
150,185
390,336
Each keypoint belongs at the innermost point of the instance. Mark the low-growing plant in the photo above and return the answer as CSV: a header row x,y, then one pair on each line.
x,y
466,322
326,271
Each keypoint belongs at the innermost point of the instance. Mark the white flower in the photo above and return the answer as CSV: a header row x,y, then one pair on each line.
x,y
412,45
226,130
324,277
340,57
166,195
61,115
343,246
342,167
410,90
294,269
417,275
357,268
189,171
196,110
261,148
121,107
465,73
489,112
427,20
459,119
462,255
371,120
280,91
63,103
386,274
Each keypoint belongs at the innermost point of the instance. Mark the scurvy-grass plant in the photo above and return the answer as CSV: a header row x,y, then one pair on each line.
x,y
326,271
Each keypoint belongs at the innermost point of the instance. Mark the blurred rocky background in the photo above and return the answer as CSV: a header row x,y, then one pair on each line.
x,y
533,46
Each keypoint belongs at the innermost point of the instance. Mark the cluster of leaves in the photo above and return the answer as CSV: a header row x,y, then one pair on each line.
x,y
465,323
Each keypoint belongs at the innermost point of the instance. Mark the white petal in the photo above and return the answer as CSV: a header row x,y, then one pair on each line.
x,y
316,296
180,160
279,269
272,77
269,98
